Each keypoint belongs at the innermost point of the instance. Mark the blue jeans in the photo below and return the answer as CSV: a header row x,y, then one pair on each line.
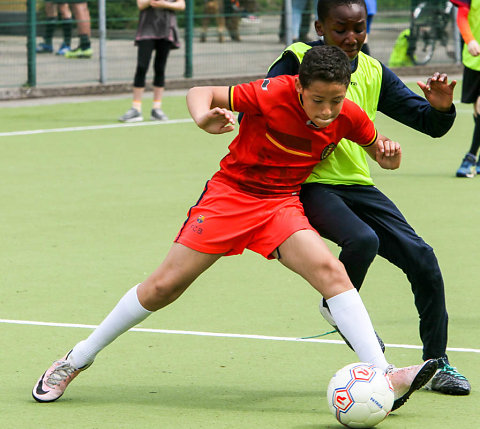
x,y
298,7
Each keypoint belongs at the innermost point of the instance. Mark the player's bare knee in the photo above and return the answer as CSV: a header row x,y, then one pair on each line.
x,y
332,273
158,293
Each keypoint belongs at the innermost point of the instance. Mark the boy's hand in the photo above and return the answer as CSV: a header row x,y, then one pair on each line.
x,y
217,121
388,154
438,91
473,48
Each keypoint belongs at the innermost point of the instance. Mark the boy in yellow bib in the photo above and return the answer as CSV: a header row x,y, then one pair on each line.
x,y
340,199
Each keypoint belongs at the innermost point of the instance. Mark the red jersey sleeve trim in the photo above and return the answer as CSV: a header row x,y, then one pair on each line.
x,y
371,142
230,98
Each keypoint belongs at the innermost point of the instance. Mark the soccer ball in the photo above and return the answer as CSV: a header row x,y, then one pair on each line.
x,y
360,395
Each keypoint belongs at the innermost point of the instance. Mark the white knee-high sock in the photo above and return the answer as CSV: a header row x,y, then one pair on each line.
x,y
125,315
353,321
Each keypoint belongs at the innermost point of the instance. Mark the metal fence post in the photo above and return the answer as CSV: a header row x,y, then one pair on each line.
x,y
188,39
288,22
456,38
31,42
102,35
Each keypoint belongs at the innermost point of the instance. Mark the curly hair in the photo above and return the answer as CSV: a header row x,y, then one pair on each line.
x,y
325,63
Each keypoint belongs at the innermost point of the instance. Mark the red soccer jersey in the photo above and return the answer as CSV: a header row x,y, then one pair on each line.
x,y
277,145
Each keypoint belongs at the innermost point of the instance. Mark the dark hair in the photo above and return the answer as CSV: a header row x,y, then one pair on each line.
x,y
325,63
324,6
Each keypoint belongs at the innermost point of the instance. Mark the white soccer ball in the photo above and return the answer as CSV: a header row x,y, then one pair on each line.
x,y
360,395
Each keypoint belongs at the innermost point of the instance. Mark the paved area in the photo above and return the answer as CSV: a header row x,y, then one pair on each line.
x,y
230,61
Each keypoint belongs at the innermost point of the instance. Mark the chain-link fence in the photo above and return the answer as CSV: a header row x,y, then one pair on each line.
x,y
261,38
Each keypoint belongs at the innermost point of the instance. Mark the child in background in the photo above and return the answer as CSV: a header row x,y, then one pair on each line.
x,y
157,31
81,14
52,11
468,21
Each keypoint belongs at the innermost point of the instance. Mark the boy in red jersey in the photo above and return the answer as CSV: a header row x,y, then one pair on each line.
x,y
290,124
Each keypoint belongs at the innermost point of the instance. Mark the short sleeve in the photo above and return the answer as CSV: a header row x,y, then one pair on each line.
x,y
464,25
244,97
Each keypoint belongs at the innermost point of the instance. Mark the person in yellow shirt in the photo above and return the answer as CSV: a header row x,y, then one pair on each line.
x,y
468,20
340,198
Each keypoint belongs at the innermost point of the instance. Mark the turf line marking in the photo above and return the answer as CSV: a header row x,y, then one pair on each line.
x,y
93,127
222,335
109,126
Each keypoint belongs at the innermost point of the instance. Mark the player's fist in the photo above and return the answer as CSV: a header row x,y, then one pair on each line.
x,y
388,154
217,121
473,48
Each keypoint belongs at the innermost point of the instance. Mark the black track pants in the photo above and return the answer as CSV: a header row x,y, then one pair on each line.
x,y
364,222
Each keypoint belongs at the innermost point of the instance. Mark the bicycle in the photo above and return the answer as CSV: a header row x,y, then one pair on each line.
x,y
428,25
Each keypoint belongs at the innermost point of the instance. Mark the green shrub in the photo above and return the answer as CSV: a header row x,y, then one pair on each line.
x,y
393,4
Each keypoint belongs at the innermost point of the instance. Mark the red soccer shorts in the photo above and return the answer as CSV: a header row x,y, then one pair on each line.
x,y
225,220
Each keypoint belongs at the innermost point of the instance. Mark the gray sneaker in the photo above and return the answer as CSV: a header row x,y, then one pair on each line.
x,y
158,115
132,115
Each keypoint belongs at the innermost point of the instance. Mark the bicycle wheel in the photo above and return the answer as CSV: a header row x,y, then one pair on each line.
x,y
421,44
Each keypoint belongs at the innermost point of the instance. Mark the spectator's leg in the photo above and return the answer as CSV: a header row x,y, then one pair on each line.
x,y
51,12
144,54
305,24
82,16
205,22
67,23
220,21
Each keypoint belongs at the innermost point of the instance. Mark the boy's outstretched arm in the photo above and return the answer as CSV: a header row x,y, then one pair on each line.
x,y
438,92
386,152
208,106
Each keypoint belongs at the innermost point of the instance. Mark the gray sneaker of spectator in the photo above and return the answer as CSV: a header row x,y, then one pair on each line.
x,y
132,115
158,115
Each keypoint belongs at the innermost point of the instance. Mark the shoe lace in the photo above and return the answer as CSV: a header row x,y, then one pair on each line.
x,y
390,369
60,373
451,370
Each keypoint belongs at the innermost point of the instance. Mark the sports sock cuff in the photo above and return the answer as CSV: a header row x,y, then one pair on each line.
x,y
132,304
343,300
353,321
